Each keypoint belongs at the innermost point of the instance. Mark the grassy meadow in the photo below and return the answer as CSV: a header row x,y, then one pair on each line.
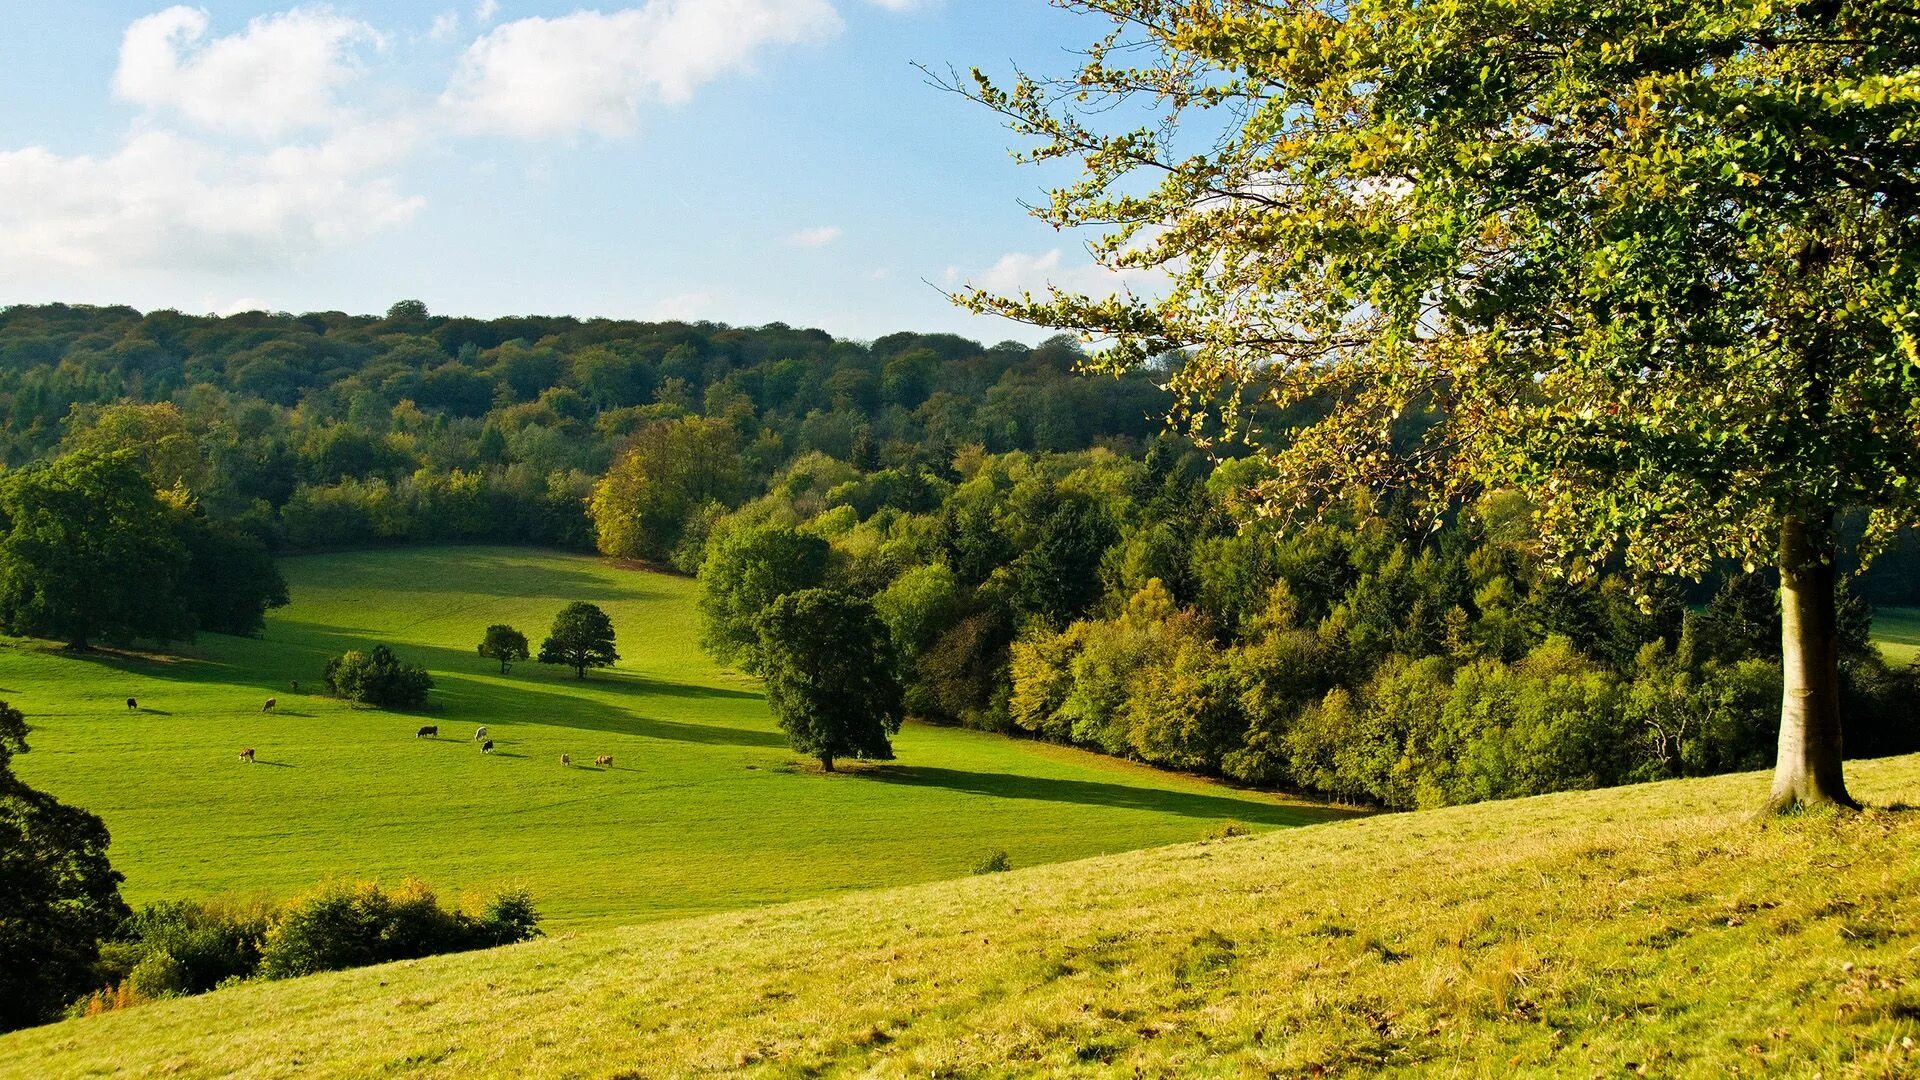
x,y
1897,630
704,809
1654,930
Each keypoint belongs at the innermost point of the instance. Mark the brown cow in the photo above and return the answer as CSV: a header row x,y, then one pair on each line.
x,y
487,747
566,760
132,704
247,755
271,702
605,760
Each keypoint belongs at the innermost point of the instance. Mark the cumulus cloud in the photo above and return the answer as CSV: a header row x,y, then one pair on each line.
x,y
592,71
163,200
280,74
1020,272
818,236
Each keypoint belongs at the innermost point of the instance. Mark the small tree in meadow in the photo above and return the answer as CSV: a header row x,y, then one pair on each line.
x,y
504,644
829,667
377,678
582,638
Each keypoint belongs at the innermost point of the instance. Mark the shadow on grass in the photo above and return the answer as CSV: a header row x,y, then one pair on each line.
x,y
1096,793
526,573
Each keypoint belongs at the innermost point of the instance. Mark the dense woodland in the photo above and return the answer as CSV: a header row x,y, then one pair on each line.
x,y
1045,558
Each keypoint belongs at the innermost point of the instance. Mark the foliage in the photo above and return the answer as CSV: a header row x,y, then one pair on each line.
x,y
581,638
505,645
829,667
89,551
746,570
377,678
996,862
668,470
353,924
1615,275
58,894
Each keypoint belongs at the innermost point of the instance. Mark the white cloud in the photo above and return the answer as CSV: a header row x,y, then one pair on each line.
x,y
446,26
278,75
1019,272
485,10
901,5
818,236
171,202
592,71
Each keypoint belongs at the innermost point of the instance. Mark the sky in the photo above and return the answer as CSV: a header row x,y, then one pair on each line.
x,y
743,161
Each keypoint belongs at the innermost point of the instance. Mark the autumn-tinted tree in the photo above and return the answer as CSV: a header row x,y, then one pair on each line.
x,y
505,645
87,550
58,894
668,470
1652,268
830,675
581,638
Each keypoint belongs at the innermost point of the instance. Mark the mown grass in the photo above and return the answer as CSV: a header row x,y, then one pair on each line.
x,y
1655,930
705,808
1897,630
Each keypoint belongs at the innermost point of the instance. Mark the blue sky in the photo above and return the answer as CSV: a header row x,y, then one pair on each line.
x,y
739,160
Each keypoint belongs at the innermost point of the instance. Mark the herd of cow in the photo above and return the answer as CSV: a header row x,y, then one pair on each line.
x,y
428,731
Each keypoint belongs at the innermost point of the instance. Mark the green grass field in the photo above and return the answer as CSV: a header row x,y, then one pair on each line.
x,y
1897,630
705,808
1656,930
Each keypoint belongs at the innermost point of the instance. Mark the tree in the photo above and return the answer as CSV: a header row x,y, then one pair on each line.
x,y
89,550
582,637
1652,270
667,472
505,644
830,675
747,569
155,434
377,678
58,894
230,581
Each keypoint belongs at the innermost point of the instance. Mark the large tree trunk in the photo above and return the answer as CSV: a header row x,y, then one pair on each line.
x,y
1808,771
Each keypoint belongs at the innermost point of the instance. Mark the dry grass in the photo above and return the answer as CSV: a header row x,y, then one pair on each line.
x,y
1655,930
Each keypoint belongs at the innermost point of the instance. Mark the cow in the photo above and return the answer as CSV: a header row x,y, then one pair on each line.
x,y
271,702
480,734
430,731
605,760
566,761
487,747
247,755
132,704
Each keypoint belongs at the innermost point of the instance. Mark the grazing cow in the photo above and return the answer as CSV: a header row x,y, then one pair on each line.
x,y
132,704
271,702
604,759
566,760
487,747
247,755
480,734
430,731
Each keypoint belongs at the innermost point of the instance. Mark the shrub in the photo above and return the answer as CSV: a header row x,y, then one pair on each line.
x,y
996,862
378,678
353,924
186,947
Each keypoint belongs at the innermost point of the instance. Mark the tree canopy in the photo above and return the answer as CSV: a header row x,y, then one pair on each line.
x,y
830,675
1654,269
581,638
504,644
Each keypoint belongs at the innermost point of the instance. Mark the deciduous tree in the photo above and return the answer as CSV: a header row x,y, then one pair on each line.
x,y
830,675
582,637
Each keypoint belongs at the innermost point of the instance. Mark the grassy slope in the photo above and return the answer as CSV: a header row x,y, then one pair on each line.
x,y
1898,632
703,811
1657,927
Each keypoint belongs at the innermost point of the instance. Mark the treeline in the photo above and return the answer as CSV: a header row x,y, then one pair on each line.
x,y
327,430
1139,607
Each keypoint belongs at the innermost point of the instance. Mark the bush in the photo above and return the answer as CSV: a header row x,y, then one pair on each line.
x,y
996,862
186,947
378,678
353,924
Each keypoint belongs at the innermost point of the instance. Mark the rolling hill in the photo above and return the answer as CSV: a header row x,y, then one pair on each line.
x,y
1651,930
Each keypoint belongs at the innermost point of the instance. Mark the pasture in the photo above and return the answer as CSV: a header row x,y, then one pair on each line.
x,y
704,807
1897,630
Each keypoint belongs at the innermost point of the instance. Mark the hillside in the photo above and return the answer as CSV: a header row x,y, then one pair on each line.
x,y
1656,929
700,773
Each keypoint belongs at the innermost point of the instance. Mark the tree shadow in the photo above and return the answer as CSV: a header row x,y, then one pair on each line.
x,y
1096,793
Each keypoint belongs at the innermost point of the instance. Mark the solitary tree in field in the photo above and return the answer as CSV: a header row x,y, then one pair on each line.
x,y
829,669
582,637
504,644
58,895
1653,265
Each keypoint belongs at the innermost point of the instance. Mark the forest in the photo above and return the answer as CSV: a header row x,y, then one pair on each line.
x,y
1047,558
